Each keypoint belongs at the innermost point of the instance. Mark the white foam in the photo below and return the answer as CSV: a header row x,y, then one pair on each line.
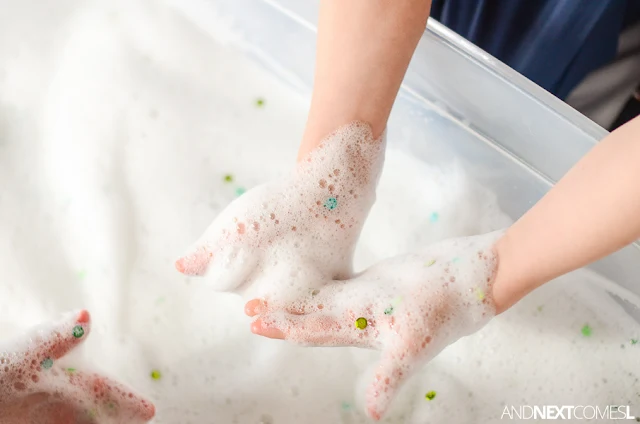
x,y
113,151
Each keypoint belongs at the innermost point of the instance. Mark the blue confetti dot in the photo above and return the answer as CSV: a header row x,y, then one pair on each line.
x,y
331,203
47,363
434,217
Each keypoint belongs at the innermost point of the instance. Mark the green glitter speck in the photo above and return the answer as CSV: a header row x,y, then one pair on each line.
x,y
430,395
389,310
260,102
331,203
455,260
78,331
240,191
346,406
228,178
71,370
47,363
540,308
156,375
479,294
361,323
634,341
434,217
586,330
431,262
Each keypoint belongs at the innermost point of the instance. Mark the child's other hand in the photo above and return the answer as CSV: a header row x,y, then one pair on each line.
x,y
36,389
410,307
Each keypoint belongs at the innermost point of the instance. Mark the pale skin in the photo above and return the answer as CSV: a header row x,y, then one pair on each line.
x,y
592,212
361,62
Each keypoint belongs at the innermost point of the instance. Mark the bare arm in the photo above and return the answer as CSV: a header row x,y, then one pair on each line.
x,y
592,212
364,49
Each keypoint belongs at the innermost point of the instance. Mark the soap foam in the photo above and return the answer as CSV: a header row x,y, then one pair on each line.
x,y
144,185
300,230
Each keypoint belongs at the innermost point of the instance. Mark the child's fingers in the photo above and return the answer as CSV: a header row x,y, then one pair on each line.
x,y
392,371
196,261
301,307
254,307
97,396
53,342
317,329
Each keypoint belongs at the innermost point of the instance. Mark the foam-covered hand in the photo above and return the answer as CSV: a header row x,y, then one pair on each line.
x,y
410,307
36,389
307,224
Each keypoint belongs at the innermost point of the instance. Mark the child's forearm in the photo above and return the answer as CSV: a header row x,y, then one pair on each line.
x,y
361,61
592,212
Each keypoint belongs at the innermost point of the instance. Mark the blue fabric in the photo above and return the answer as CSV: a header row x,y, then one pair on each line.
x,y
555,43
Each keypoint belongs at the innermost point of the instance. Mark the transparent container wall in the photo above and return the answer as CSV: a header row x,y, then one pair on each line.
x,y
456,103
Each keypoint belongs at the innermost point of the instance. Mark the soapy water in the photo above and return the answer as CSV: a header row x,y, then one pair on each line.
x,y
119,123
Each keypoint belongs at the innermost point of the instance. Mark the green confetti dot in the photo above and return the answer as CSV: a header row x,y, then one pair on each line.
x,y
634,341
71,370
78,331
455,260
434,217
47,363
430,395
479,294
397,301
586,330
240,191
430,263
260,102
331,203
540,308
156,375
228,178
346,406
389,310
361,323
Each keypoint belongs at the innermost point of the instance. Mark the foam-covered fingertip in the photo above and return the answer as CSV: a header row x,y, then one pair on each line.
x,y
83,317
180,265
258,327
195,263
254,307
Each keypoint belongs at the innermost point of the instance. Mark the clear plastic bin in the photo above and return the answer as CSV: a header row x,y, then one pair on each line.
x,y
512,136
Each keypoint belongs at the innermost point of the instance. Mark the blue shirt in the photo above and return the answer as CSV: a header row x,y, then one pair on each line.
x,y
554,43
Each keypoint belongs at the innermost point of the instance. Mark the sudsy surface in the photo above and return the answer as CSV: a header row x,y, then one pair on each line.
x,y
118,124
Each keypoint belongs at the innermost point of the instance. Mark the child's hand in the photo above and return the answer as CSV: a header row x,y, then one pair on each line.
x,y
36,389
309,222
410,307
